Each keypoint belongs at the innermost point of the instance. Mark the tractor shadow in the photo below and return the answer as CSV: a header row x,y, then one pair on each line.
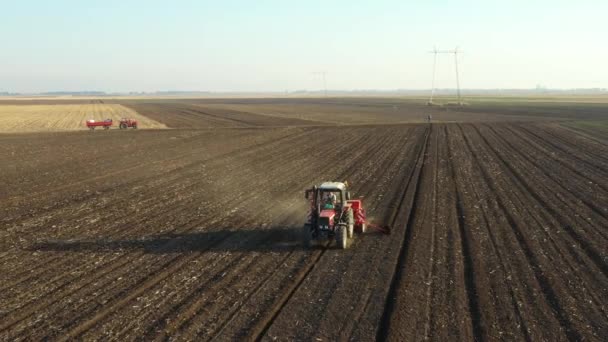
x,y
263,240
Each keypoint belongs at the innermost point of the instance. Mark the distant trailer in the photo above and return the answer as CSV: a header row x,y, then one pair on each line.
x,y
106,124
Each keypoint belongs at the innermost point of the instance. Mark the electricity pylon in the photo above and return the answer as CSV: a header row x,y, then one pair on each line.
x,y
435,52
323,74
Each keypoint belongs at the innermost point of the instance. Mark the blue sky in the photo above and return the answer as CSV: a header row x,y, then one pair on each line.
x,y
276,45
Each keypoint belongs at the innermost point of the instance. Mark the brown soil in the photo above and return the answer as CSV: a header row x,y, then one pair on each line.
x,y
498,232
205,113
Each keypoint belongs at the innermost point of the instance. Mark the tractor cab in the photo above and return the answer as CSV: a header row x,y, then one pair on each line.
x,y
329,195
332,213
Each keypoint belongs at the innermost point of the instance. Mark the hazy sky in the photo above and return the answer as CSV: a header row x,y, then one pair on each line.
x,y
276,45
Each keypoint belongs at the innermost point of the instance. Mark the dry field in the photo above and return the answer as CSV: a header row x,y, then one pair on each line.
x,y
499,230
64,117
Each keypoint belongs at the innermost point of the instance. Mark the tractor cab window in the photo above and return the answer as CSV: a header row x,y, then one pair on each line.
x,y
330,199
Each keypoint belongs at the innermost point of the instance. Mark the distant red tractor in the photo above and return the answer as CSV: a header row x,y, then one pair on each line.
x,y
127,123
333,215
106,124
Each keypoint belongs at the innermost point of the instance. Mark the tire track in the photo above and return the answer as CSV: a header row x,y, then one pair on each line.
x,y
544,284
500,266
398,273
469,273
506,267
433,259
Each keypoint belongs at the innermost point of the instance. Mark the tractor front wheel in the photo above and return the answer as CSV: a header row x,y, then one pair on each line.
x,y
307,236
351,224
342,236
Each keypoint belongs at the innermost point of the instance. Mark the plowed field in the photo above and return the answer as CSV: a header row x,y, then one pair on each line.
x,y
498,232
187,113
62,117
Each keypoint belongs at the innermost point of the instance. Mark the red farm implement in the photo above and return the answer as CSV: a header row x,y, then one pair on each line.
x,y
105,124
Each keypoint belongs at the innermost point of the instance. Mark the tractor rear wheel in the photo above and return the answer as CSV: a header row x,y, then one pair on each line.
x,y
134,126
342,236
307,236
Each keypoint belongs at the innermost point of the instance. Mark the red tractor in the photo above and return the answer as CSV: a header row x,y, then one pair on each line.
x,y
333,215
126,123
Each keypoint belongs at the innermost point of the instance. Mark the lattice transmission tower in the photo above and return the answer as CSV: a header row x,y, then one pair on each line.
x,y
323,75
436,52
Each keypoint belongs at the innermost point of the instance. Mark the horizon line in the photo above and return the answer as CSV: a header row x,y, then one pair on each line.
x,y
299,91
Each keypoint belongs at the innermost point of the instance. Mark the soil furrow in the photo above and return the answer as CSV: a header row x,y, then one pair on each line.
x,y
412,184
547,289
191,233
